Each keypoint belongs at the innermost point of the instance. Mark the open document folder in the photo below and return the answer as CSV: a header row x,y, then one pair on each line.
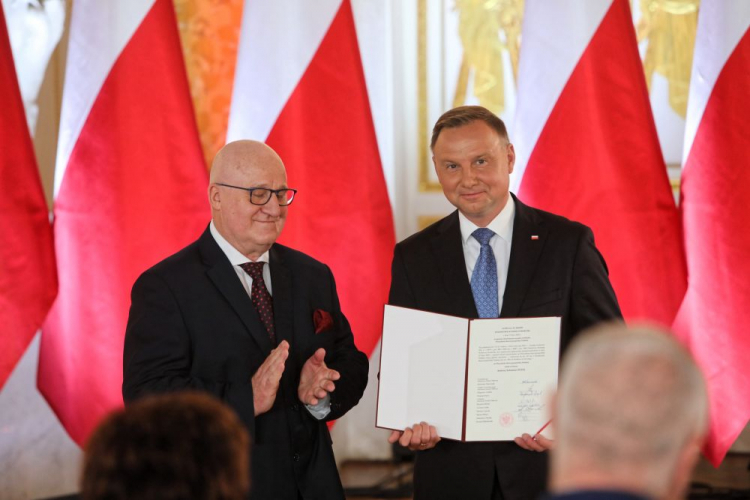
x,y
473,379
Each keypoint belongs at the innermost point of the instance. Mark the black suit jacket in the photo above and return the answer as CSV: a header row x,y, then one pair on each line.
x,y
193,326
559,274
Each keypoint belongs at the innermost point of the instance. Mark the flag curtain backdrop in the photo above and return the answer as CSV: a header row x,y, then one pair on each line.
x,y
714,315
714,253
28,276
313,110
130,186
588,147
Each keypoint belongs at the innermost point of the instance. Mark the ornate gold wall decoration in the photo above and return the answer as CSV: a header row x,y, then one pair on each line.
x,y
669,26
425,220
209,31
486,28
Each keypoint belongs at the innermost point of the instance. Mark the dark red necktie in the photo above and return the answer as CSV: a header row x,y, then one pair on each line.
x,y
261,298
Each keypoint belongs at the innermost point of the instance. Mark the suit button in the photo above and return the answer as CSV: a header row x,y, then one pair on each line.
x,y
295,457
295,407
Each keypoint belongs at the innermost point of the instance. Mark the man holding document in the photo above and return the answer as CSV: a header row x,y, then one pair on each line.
x,y
494,257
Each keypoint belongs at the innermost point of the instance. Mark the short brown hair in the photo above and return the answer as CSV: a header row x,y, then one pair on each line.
x,y
184,445
464,115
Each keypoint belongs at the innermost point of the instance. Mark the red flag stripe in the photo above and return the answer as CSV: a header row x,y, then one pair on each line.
x,y
326,138
715,187
134,192
598,161
28,277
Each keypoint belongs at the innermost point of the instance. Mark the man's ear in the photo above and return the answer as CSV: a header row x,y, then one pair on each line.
x,y
683,471
214,197
511,158
435,166
552,414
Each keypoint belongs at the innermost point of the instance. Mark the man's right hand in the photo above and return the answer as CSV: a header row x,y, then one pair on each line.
x,y
419,437
266,379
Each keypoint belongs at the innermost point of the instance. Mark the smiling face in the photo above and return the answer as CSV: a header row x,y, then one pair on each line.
x,y
251,229
473,164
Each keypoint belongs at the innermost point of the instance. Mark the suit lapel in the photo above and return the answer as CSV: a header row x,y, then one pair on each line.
x,y
283,314
281,284
446,244
524,254
222,274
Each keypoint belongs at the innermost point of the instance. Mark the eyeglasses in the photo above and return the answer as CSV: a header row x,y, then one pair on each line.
x,y
261,196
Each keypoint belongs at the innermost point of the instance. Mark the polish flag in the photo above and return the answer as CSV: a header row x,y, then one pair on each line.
x,y
302,91
130,188
28,279
588,149
714,317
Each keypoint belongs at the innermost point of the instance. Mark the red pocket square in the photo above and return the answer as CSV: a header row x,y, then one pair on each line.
x,y
323,321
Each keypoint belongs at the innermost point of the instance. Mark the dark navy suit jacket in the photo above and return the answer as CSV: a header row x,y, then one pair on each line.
x,y
193,326
560,273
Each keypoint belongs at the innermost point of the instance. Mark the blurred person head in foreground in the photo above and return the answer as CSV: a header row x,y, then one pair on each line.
x,y
631,416
184,445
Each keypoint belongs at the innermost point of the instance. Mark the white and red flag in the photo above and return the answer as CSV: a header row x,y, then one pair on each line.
x,y
130,187
28,279
714,317
302,91
588,149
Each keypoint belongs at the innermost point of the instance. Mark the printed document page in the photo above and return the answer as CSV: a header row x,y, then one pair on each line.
x,y
512,371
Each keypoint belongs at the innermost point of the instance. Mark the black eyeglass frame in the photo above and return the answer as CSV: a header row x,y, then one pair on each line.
x,y
269,190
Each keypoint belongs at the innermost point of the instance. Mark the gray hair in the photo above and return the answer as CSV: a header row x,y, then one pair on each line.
x,y
632,398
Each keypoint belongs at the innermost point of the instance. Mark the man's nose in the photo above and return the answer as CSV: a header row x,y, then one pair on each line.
x,y
272,207
468,177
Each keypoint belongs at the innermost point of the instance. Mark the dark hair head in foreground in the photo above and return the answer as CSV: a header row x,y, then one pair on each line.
x,y
184,445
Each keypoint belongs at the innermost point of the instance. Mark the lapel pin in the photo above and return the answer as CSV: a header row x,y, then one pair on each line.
x,y
534,237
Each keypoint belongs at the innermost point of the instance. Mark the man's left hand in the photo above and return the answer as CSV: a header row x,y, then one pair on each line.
x,y
316,379
536,443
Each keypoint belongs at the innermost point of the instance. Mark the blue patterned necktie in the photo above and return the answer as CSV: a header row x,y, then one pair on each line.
x,y
484,276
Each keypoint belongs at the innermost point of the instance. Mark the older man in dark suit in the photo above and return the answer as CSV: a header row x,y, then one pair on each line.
x,y
254,323
493,257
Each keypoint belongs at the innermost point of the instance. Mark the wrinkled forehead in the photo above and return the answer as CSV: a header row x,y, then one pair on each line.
x,y
259,173
249,165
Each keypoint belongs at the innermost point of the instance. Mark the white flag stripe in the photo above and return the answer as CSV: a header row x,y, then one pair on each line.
x,y
99,31
269,66
552,46
720,28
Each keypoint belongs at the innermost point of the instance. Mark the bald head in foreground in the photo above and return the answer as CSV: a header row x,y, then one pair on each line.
x,y
254,323
632,413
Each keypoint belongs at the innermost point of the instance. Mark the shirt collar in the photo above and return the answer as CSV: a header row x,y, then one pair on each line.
x,y
235,257
501,225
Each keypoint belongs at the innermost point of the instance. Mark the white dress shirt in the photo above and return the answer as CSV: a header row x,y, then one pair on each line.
x,y
502,226
236,258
